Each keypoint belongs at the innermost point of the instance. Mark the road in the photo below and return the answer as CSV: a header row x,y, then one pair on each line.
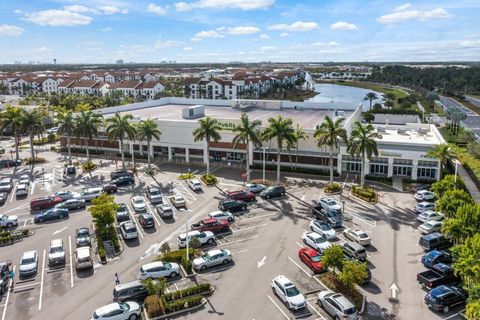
x,y
471,122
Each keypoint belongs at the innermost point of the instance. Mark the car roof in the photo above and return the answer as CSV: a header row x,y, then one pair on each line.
x,y
107,308
433,235
56,243
442,267
128,224
153,265
214,252
310,252
284,281
440,291
194,180
147,215
209,220
130,284
83,252
354,245
346,304
314,234
29,254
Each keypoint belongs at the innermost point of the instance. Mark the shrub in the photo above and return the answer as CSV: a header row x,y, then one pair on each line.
x,y
384,180
190,291
194,243
209,179
365,193
35,160
154,306
333,283
102,253
52,137
333,187
165,248
175,256
183,303
187,264
88,166
186,176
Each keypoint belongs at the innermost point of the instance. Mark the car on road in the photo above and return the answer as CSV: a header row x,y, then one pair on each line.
x,y
66,195
3,197
321,227
72,204
354,250
317,241
178,201
44,203
424,195
146,220
439,274
288,293
28,263
89,194
70,169
128,310
122,213
83,237
222,215
128,230
24,179
133,290
6,185
358,236
154,194
165,211
123,181
433,257
273,192
212,258
21,191
430,227
254,187
336,305
433,241
211,224
312,259
51,215
120,173
83,258
241,195
8,163
205,237
8,221
159,269
52,130
429,216
232,205
110,188
443,298
138,204
56,253
194,184
424,206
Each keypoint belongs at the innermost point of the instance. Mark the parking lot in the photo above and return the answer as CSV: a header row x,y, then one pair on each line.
x,y
264,242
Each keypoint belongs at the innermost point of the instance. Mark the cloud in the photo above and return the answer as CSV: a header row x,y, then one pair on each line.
x,y
243,30
298,26
344,26
403,7
57,18
196,39
221,32
109,10
268,48
402,14
224,4
80,9
208,34
284,34
167,43
156,9
263,37
107,29
188,49
7,30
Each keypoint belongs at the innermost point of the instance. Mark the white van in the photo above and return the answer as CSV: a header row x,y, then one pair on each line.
x,y
194,184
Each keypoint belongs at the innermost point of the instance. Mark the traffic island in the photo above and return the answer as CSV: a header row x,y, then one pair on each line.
x,y
364,193
330,280
333,188
9,237
209,179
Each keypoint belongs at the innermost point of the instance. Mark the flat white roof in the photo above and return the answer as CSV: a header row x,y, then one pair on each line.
x,y
411,133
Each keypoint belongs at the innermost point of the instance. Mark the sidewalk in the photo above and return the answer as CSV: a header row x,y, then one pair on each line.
x,y
471,186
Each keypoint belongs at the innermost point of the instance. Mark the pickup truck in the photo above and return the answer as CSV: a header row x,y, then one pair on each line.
x,y
178,201
211,224
440,274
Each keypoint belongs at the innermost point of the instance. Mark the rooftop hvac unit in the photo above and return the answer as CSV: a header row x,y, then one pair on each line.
x,y
193,112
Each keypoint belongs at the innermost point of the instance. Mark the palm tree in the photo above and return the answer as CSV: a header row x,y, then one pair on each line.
x,y
330,133
32,123
280,128
443,153
66,126
12,118
119,128
247,131
299,135
148,129
362,143
86,126
209,129
370,97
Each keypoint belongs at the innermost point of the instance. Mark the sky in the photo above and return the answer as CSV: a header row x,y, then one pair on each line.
x,y
103,31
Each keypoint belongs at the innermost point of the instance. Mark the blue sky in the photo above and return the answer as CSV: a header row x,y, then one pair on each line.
x,y
102,31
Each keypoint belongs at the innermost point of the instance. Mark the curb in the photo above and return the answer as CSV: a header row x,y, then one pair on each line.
x,y
172,314
369,202
185,274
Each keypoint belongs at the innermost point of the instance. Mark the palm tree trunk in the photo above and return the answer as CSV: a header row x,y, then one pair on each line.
x,y
17,142
31,148
69,150
331,164
88,151
247,161
208,159
441,170
120,147
278,165
296,158
362,176
148,154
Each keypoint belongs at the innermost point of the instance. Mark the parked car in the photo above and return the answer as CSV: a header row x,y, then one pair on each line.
x,y
83,258
122,213
212,258
6,185
358,236
52,130
138,204
273,192
50,215
110,188
159,269
421,187
424,195
24,179
28,264
194,184
312,259
429,216
336,305
430,226
4,277
123,181
436,256
204,238
21,191
288,293
146,220
118,311
354,250
72,204
317,241
8,163
254,187
83,237
56,253
3,197
8,221
438,275
222,215
154,195
66,195
241,195
178,201
165,211
70,169
329,211
44,203
133,290
324,228
424,206
120,173
232,205
91,193
128,230
442,298
433,241
211,224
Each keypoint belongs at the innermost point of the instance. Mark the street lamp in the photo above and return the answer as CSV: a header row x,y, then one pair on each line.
x,y
264,148
186,231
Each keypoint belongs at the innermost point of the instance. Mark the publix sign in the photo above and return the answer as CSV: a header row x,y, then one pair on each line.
x,y
226,125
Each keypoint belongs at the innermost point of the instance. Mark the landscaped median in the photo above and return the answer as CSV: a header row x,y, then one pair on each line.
x,y
333,188
11,236
209,179
365,193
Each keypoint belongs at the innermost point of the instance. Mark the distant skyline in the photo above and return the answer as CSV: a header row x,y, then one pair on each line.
x,y
103,31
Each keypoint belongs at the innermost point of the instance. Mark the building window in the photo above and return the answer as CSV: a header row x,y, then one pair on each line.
x,y
234,156
402,171
426,173
349,166
424,163
379,169
405,162
379,160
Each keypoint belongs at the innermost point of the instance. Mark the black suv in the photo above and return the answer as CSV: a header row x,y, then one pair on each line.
x,y
123,180
120,173
433,241
272,192
83,237
146,220
232,205
133,290
70,169
4,277
442,298
122,213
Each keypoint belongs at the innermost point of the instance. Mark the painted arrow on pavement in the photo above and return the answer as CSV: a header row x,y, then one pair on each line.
x,y
394,290
58,231
261,262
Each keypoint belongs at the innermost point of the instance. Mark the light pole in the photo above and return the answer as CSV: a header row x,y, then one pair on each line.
x,y
186,231
263,176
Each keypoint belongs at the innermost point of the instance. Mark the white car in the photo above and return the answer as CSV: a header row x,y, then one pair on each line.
x,y
52,130
8,221
316,241
91,193
128,230
254,187
204,237
222,215
430,226
288,293
424,195
358,236
336,305
159,269
194,184
178,201
164,210
66,195
28,263
21,190
430,216
24,179
138,204
212,258
324,228
424,206
128,310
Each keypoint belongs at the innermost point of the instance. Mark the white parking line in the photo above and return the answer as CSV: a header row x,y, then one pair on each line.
x,y
454,315
33,187
241,251
26,285
8,296
247,228
41,281
134,221
71,262
307,273
316,311
12,194
17,208
260,216
53,179
218,240
151,211
278,307
300,245
237,241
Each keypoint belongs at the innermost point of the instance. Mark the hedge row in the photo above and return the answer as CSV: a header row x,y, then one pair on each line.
x,y
367,194
198,289
155,307
176,255
333,187
209,179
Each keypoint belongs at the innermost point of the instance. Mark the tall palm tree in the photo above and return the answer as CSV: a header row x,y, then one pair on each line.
x,y
66,126
12,118
281,129
362,143
119,128
86,126
148,129
209,129
32,123
443,153
299,135
330,133
370,97
247,131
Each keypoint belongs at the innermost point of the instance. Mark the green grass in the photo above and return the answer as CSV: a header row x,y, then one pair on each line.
x,y
470,106
451,138
374,87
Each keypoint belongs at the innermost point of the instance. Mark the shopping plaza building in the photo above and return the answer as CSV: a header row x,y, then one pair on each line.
x,y
402,147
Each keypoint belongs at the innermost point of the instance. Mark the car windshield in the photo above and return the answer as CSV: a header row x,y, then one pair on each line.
x,y
155,192
27,261
316,258
56,249
320,239
292,291
137,200
3,217
324,226
206,257
124,306
83,233
351,310
362,235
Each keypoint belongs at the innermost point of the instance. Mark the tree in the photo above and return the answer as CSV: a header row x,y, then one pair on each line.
x,y
443,153
86,126
247,131
368,116
119,128
66,126
362,143
281,129
451,200
472,311
31,124
148,129
463,224
208,129
353,273
165,248
12,118
447,183
330,133
299,135
155,287
103,211
333,257
466,263
370,97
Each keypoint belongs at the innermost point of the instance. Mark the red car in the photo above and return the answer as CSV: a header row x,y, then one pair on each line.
x,y
242,195
44,203
312,259
211,224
